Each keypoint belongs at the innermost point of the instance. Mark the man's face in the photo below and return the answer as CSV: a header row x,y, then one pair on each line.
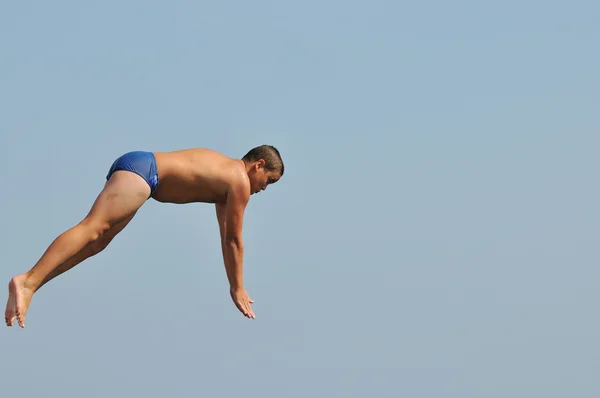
x,y
261,178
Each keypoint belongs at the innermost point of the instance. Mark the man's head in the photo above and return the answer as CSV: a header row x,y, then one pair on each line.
x,y
264,166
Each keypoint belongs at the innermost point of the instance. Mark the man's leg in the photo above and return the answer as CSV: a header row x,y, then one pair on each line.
x,y
122,196
90,250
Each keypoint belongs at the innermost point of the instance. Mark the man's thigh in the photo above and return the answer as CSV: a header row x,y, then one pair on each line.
x,y
122,196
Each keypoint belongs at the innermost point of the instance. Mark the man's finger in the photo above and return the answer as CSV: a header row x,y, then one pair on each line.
x,y
243,309
248,309
239,306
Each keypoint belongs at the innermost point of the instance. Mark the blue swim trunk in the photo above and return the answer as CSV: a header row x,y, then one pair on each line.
x,y
139,162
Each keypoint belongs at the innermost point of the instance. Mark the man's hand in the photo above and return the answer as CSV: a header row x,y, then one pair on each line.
x,y
242,301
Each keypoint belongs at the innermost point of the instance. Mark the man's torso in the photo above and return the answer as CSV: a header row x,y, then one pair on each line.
x,y
194,175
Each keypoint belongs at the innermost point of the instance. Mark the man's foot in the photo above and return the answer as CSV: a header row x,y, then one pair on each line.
x,y
19,297
11,308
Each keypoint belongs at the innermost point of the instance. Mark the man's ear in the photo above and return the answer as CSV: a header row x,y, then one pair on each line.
x,y
260,163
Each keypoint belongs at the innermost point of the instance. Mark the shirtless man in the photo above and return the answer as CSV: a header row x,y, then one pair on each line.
x,y
185,176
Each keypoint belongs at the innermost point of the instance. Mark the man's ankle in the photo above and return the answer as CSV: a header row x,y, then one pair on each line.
x,y
29,280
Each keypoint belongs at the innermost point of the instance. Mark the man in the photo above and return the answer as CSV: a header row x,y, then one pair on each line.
x,y
185,176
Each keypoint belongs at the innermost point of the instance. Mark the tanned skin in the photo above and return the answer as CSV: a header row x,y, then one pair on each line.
x,y
185,176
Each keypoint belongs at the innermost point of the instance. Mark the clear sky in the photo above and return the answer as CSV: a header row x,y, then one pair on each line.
x,y
435,233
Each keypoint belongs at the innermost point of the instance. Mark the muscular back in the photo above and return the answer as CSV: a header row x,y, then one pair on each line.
x,y
195,175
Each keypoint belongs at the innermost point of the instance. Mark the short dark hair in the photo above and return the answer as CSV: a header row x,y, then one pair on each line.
x,y
269,154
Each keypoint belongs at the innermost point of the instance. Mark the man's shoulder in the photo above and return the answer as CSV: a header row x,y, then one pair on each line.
x,y
236,172
236,177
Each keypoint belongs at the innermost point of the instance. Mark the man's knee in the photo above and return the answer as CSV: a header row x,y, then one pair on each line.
x,y
100,244
95,230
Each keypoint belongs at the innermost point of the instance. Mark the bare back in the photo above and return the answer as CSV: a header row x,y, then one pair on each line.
x,y
194,175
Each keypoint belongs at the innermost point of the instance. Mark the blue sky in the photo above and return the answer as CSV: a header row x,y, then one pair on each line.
x,y
435,233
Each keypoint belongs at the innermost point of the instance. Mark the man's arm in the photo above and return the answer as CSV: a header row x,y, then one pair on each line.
x,y
221,211
233,246
231,217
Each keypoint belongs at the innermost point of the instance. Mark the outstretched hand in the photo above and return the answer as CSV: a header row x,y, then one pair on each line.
x,y
242,301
